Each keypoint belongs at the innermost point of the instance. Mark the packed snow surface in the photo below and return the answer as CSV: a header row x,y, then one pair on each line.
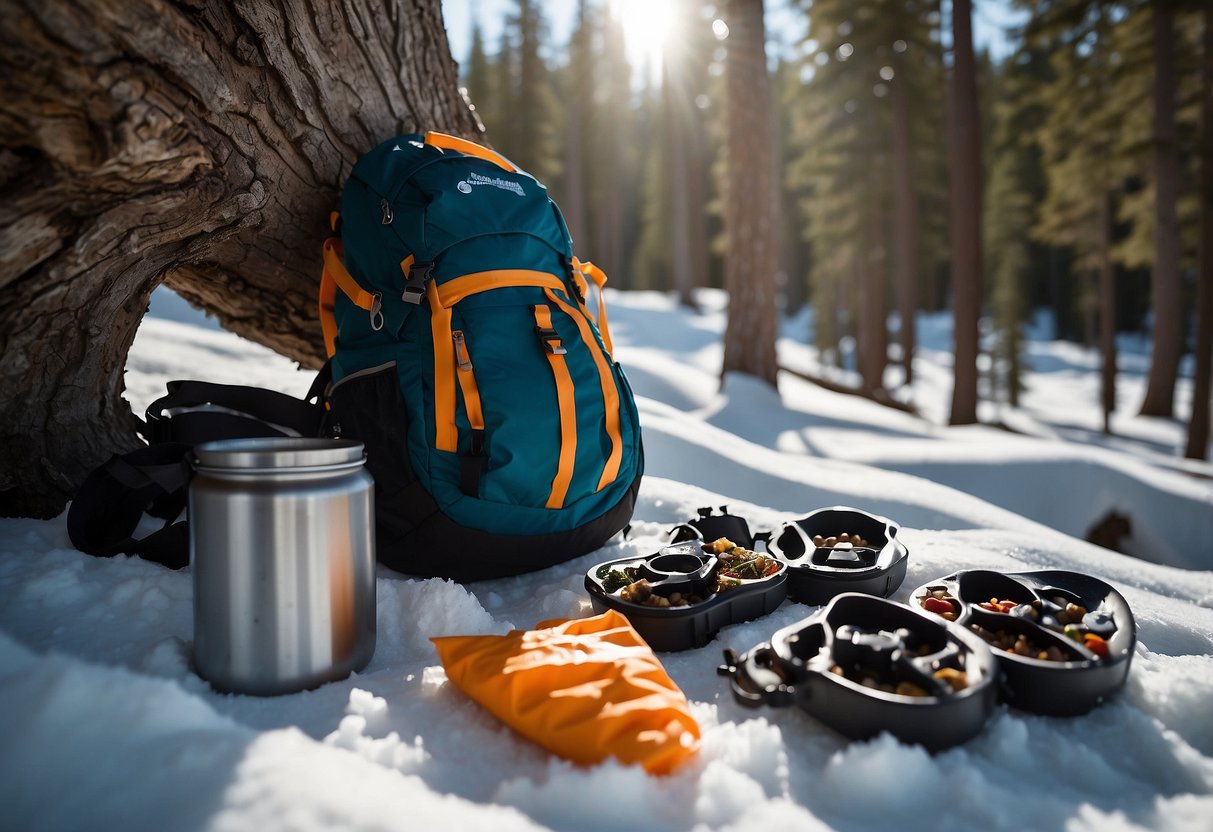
x,y
104,726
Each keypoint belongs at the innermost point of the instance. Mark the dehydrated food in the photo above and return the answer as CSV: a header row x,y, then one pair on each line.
x,y
641,592
938,601
1020,644
747,565
613,579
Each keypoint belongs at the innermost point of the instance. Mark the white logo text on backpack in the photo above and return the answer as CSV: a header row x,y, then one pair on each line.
x,y
465,186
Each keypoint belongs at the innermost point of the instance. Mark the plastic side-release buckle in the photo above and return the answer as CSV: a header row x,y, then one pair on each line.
x,y
414,285
550,339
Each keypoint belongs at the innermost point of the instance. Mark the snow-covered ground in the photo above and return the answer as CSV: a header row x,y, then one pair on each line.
x,y
104,726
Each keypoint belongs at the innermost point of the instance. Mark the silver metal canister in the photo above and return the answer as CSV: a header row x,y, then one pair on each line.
x,y
282,552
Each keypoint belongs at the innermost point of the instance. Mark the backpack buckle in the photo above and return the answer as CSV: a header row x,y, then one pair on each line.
x,y
550,339
414,285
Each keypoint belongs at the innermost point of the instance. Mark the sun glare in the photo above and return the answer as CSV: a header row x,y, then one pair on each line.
x,y
647,26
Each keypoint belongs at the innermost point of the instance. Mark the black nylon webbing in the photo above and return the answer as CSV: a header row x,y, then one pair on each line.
x,y
113,499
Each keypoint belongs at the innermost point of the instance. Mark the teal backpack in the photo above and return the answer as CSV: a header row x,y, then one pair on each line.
x,y
501,434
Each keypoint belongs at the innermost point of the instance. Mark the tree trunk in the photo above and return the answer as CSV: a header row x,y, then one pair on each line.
x,y
751,222
197,144
1168,319
1198,427
905,216
965,227
872,315
580,92
676,104
1107,315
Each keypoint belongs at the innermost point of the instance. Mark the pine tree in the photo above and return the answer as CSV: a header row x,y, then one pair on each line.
x,y
856,158
1016,186
1082,141
1008,222
750,204
478,79
578,94
532,138
965,183
613,153
1198,426
1168,324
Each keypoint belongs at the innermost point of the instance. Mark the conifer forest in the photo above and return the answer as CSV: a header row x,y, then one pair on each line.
x,y
908,170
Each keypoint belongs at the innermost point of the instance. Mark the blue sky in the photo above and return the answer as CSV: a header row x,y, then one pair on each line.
x,y
990,21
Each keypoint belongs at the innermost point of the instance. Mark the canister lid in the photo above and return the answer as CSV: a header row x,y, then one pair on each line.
x,y
277,452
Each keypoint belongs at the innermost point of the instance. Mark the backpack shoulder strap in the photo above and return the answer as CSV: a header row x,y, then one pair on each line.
x,y
199,411
110,503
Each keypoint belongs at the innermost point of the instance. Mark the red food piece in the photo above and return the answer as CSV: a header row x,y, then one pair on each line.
x,y
1096,645
937,606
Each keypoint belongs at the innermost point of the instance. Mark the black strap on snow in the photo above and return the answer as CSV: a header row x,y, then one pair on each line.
x,y
112,500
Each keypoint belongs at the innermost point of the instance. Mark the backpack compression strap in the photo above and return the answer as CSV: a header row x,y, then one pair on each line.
x,y
588,269
335,276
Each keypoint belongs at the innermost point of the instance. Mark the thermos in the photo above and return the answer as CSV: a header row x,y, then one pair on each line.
x,y
282,553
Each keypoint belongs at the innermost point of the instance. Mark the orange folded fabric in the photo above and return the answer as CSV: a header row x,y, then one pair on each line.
x,y
585,689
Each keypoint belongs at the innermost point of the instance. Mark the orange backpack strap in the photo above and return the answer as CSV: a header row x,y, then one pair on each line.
x,y
589,270
448,142
333,277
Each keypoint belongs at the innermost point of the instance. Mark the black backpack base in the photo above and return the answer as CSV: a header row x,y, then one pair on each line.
x,y
415,538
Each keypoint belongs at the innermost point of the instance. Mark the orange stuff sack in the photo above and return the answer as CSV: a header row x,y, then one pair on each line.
x,y
585,689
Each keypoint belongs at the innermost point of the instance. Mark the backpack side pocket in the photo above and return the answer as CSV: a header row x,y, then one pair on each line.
x,y
367,406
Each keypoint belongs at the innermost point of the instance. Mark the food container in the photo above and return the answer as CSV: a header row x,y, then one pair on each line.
x,y
822,564
863,665
1064,640
283,560
690,573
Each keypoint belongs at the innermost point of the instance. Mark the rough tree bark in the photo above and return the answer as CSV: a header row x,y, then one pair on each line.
x,y
198,144
965,229
750,221
1167,292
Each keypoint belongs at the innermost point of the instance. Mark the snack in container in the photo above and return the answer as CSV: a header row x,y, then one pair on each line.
x,y
1064,640
863,665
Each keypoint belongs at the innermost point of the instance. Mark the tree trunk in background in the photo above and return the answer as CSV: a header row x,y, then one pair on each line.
x,y
965,228
581,89
905,217
678,131
873,316
1168,319
199,145
1107,315
1198,427
573,197
751,222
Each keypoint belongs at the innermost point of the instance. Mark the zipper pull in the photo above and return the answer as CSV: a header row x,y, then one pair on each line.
x,y
462,358
386,207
